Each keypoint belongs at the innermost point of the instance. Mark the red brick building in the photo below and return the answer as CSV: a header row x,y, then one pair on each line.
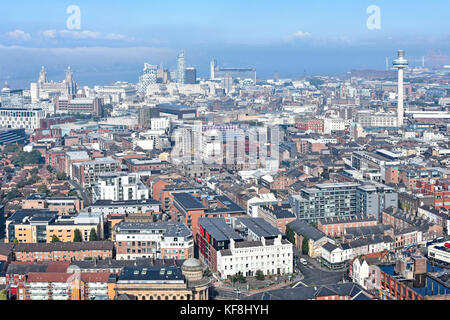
x,y
335,227
63,251
316,125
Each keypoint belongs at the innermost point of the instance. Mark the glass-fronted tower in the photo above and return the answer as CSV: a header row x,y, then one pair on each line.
x,y
181,62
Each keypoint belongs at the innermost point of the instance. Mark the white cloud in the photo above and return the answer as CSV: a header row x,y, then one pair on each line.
x,y
302,35
19,35
49,33
115,36
85,34
70,34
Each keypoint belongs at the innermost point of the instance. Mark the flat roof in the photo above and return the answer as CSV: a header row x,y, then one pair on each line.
x,y
169,229
188,201
151,275
260,227
218,229
124,203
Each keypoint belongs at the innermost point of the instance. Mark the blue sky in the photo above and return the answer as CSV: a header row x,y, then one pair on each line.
x,y
117,37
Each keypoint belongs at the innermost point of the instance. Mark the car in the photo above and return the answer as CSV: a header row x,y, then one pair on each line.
x,y
303,261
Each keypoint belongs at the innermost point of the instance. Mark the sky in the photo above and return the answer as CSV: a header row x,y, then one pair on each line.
x,y
291,37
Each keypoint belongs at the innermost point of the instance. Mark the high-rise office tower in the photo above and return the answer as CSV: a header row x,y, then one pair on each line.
x,y
162,75
190,76
181,62
400,63
213,66
227,84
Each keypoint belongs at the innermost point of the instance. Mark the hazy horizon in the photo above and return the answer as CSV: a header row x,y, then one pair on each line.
x,y
113,39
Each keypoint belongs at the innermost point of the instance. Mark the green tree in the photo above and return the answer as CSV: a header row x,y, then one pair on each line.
x,y
207,273
8,170
290,235
3,295
61,176
16,241
77,237
73,193
14,193
43,189
305,246
260,275
93,235
239,277
55,239
11,148
49,168
24,158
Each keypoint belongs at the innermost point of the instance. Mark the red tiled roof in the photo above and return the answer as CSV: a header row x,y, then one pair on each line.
x,y
95,277
48,277
63,277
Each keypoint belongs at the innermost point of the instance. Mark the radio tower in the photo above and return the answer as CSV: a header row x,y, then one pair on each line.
x,y
400,63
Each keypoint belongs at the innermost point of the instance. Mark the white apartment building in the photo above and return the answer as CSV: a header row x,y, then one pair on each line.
x,y
159,124
120,186
376,120
270,256
21,118
158,240
108,207
334,124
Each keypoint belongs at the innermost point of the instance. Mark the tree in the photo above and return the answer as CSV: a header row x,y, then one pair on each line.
x,y
73,193
16,241
61,176
260,275
93,235
3,295
55,239
43,189
77,237
8,170
305,245
207,273
24,158
14,193
49,168
290,235
239,277
11,148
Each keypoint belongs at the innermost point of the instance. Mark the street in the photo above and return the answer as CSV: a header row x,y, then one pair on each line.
x,y
86,198
314,275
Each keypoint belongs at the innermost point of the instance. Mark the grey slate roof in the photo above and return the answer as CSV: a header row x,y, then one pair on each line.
x,y
306,230
351,290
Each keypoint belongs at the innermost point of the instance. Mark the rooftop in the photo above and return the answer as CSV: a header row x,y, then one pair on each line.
x,y
168,229
218,229
151,275
188,201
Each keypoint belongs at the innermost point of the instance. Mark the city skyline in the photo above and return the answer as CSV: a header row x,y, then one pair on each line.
x,y
284,37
